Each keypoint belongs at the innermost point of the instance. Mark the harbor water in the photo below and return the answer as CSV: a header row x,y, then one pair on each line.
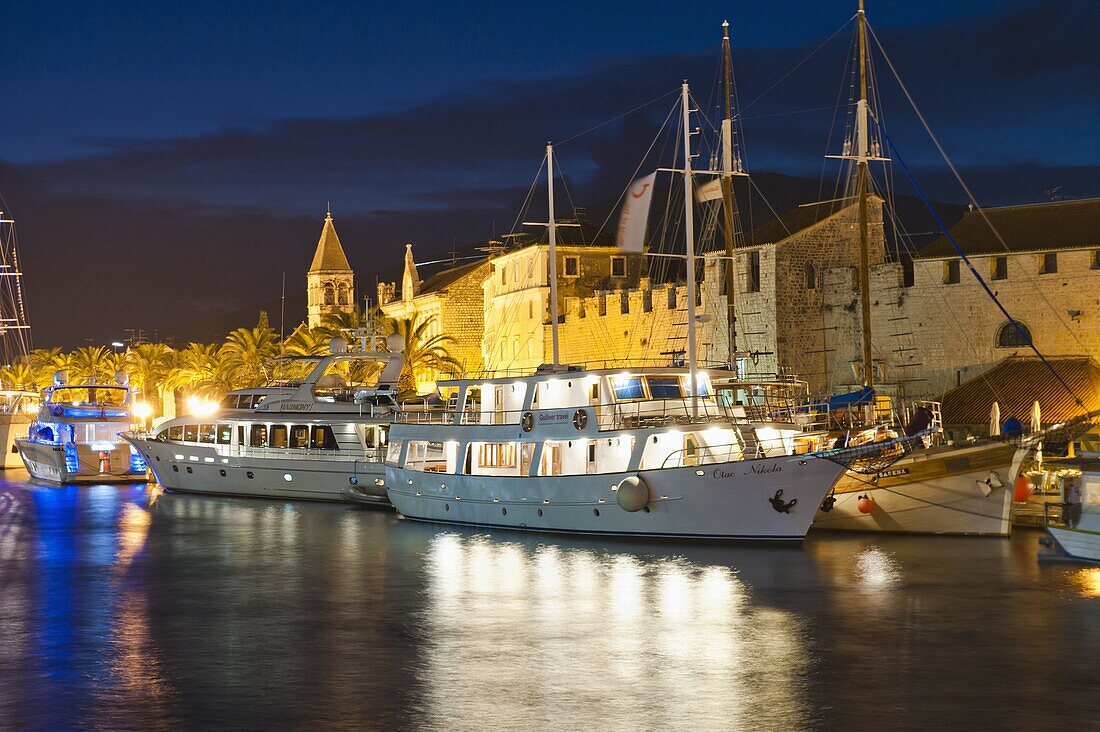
x,y
124,607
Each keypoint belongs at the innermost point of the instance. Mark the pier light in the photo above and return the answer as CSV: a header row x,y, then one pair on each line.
x,y
199,407
143,410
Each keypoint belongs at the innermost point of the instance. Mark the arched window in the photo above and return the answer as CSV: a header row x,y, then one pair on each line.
x,y
330,293
1013,335
811,276
344,297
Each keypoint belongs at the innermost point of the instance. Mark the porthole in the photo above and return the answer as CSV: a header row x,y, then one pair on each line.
x,y
250,475
175,468
596,512
288,477
222,472
540,513
446,507
700,472
504,512
353,480
189,470
801,462
645,509
158,458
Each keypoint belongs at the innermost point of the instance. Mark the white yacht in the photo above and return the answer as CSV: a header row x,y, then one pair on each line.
x,y
611,452
75,437
319,437
1078,537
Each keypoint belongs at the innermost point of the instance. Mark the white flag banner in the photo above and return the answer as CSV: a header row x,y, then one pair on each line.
x,y
635,214
711,191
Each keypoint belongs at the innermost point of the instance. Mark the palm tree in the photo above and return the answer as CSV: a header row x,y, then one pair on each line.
x,y
147,365
19,376
306,342
426,356
90,362
246,353
45,362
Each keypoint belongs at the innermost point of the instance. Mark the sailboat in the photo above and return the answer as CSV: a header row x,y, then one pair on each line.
x,y
943,489
649,452
19,404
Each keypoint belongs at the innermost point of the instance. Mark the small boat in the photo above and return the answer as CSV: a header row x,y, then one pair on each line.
x,y
320,437
17,410
75,437
1078,537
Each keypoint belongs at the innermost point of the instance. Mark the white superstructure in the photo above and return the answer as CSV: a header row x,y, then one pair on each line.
x,y
319,437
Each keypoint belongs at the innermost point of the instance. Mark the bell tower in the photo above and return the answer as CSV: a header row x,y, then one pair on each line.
x,y
330,283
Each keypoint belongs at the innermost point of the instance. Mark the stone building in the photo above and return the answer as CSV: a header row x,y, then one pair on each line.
x,y
450,301
330,282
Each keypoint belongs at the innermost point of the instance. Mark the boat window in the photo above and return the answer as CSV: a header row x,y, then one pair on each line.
x,y
206,433
230,401
427,456
497,455
322,438
191,433
299,436
175,433
258,438
240,434
665,387
225,434
95,396
277,436
701,387
383,433
627,387
369,436
393,452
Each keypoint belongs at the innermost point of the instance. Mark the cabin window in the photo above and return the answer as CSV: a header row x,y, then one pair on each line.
x,y
225,434
230,401
1048,263
753,272
258,438
951,272
299,437
1013,335
811,276
1000,268
701,388
691,450
572,267
240,434
190,433
627,387
497,455
278,436
321,437
175,433
618,266
369,437
665,387
393,452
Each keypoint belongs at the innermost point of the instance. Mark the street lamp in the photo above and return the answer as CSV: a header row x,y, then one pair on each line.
x,y
117,345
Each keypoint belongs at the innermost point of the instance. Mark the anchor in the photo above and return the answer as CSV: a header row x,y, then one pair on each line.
x,y
778,503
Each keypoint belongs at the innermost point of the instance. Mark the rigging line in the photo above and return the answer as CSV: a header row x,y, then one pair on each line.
x,y
617,117
962,183
797,66
985,286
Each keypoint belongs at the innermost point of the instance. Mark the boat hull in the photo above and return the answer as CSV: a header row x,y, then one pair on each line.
x,y
12,427
46,462
189,468
932,492
727,501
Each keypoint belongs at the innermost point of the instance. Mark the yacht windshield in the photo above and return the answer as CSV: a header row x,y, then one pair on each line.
x,y
90,396
291,371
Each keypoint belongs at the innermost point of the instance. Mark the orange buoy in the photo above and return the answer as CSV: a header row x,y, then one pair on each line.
x,y
866,504
1022,489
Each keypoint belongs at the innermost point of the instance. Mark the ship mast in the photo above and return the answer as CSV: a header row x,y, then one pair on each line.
x,y
862,153
727,193
689,237
552,228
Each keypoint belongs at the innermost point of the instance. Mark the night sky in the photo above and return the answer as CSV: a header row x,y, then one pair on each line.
x,y
167,164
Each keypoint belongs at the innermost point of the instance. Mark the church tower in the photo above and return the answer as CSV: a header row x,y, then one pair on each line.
x,y
330,283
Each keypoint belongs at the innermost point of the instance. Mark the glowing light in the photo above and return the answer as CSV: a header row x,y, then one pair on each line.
x,y
1087,581
143,410
199,407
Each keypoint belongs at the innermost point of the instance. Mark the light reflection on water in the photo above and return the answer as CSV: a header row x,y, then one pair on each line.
x,y
575,637
123,607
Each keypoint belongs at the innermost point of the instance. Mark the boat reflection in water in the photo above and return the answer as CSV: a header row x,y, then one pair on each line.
x,y
560,635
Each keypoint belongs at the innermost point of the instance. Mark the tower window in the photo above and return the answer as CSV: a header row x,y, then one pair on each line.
x,y
1048,263
951,272
330,293
618,266
753,284
1013,335
572,267
811,276
1095,264
1000,268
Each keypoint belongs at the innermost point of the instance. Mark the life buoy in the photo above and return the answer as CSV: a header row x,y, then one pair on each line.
x,y
527,422
580,419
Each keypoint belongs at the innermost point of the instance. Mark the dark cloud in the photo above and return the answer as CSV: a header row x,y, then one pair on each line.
x,y
147,233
